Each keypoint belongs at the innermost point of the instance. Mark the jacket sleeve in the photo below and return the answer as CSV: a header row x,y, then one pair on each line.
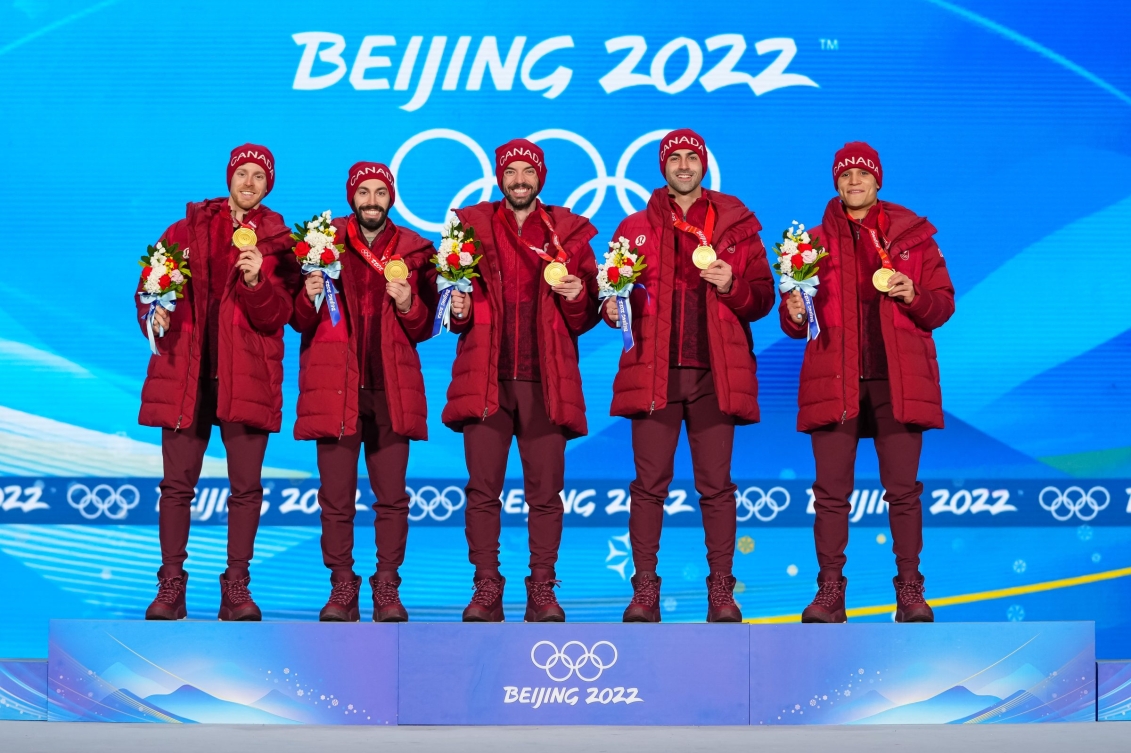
x,y
270,303
304,318
790,327
417,321
174,230
581,314
751,295
933,303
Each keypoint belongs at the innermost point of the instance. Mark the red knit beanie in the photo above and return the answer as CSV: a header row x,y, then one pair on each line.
x,y
260,155
363,171
520,150
861,156
682,138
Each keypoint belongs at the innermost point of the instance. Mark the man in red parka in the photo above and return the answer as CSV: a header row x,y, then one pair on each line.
x,y
871,372
221,363
706,279
516,371
360,380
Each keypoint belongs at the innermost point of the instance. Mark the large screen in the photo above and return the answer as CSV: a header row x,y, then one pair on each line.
x,y
1008,124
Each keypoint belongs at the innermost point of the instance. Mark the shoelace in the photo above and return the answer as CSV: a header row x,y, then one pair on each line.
x,y
646,593
719,592
828,594
542,592
487,592
237,591
343,592
909,592
385,593
169,589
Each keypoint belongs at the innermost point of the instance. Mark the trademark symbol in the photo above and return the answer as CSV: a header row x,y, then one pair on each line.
x,y
829,44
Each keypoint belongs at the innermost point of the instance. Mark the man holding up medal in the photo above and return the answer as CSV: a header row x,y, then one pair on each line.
x,y
516,371
360,381
221,363
707,278
871,372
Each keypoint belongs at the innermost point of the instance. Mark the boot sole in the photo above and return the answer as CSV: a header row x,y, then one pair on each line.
x,y
156,618
838,619
551,618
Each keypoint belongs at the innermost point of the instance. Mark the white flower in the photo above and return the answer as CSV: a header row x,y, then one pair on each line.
x,y
446,247
786,265
464,258
602,277
805,237
801,228
809,256
789,246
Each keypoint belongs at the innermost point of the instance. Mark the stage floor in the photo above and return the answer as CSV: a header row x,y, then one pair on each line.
x,y
48,737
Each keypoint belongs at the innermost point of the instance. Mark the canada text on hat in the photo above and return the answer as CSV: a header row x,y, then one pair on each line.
x,y
847,163
371,172
525,153
253,155
682,141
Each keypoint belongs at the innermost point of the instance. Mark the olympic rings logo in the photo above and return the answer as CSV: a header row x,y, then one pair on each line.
x,y
598,185
575,661
430,502
103,499
764,505
1085,505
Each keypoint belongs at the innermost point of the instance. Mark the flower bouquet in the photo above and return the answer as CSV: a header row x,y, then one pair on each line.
x,y
617,277
317,252
164,275
456,261
798,255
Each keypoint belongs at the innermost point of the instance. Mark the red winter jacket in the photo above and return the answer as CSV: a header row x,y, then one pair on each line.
x,y
329,374
830,374
250,368
474,392
641,384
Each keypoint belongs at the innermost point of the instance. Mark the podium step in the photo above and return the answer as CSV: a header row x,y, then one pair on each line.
x,y
576,673
23,690
1113,691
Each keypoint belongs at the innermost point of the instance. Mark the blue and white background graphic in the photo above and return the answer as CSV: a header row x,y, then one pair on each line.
x,y
1006,123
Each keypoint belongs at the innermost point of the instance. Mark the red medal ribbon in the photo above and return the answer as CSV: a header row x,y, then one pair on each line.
x,y
703,235
543,215
358,244
880,243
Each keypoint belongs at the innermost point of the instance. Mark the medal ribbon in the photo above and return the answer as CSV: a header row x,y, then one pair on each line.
x,y
358,244
874,234
561,255
705,234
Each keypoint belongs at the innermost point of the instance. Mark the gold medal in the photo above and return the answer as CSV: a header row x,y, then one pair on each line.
x,y
882,279
243,237
396,270
703,257
554,272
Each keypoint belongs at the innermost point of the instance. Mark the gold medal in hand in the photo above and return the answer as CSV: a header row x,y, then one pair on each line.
x,y
396,270
881,280
554,272
703,257
244,237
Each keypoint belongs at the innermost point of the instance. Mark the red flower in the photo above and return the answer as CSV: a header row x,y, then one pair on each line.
x,y
797,261
164,282
328,256
613,273
804,246
302,248
453,260
145,272
468,248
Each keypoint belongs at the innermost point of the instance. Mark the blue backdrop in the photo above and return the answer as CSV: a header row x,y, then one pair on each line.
x,y
1007,123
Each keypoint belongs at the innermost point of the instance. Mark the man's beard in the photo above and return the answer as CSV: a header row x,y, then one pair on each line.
x,y
371,224
521,203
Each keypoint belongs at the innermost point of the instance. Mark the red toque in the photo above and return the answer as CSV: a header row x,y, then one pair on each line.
x,y
363,171
861,156
682,138
260,155
520,150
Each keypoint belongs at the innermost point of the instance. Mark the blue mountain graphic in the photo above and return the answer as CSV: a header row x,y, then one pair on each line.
x,y
193,703
952,704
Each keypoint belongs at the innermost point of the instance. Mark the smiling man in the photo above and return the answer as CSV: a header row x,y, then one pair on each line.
x,y
871,372
693,363
516,371
222,364
360,382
